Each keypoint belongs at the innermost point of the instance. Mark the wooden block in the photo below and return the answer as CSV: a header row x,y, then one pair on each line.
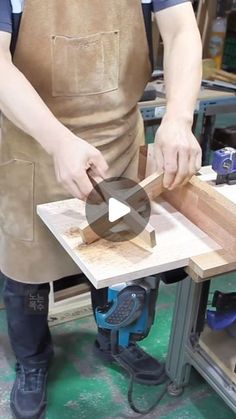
x,y
152,186
133,220
87,230
137,223
211,264
151,161
69,304
142,162
73,308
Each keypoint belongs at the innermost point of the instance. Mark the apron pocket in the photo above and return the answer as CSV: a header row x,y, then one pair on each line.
x,y
85,65
16,199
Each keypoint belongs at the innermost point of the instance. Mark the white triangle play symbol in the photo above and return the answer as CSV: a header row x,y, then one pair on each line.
x,y
116,209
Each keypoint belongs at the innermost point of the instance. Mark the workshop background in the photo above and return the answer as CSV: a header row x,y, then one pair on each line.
x,y
82,387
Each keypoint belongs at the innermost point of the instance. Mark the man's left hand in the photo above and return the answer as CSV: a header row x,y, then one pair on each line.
x,y
178,153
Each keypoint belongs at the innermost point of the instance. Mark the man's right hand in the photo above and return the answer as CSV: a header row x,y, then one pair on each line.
x,y
73,157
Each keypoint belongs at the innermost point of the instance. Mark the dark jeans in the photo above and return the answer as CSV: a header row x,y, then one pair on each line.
x,y
27,313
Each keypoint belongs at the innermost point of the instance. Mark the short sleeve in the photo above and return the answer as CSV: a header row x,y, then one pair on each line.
x,y
6,16
159,5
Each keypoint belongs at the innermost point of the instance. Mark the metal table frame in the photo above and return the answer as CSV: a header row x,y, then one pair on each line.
x,y
209,110
184,350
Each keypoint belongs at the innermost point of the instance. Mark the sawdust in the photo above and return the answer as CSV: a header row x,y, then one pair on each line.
x,y
73,232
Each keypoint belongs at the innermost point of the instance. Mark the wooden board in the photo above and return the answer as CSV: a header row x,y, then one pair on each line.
x,y
221,261
217,217
73,308
211,264
69,304
213,208
208,209
107,262
70,292
222,350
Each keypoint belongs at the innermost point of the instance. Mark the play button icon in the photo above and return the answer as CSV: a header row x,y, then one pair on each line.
x,y
116,210
121,210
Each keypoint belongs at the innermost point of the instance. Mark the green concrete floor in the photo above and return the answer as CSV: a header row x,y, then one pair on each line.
x,y
80,387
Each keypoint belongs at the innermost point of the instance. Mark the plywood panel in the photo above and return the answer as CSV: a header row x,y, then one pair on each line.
x,y
107,262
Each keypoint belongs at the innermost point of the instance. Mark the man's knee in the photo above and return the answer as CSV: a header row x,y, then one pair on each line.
x,y
14,288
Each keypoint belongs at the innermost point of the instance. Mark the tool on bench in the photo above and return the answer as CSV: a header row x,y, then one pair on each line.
x,y
224,164
223,137
224,301
220,86
224,315
129,312
129,315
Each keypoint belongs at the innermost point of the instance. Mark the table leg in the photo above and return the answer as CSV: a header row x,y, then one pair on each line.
x,y
184,324
208,123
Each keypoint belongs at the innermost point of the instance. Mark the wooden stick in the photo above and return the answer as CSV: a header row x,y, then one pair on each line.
x,y
137,223
142,162
152,186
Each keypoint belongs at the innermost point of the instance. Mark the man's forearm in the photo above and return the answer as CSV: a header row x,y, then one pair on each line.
x,y
24,107
178,152
72,156
183,71
182,59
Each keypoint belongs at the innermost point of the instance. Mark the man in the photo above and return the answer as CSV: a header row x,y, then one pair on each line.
x,y
69,101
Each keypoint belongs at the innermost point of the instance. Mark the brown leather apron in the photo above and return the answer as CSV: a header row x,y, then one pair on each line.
x,y
89,62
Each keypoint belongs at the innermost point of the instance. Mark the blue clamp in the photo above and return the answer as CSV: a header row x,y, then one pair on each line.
x,y
224,164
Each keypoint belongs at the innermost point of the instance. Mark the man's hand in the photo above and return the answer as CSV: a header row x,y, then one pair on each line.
x,y
73,157
177,151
